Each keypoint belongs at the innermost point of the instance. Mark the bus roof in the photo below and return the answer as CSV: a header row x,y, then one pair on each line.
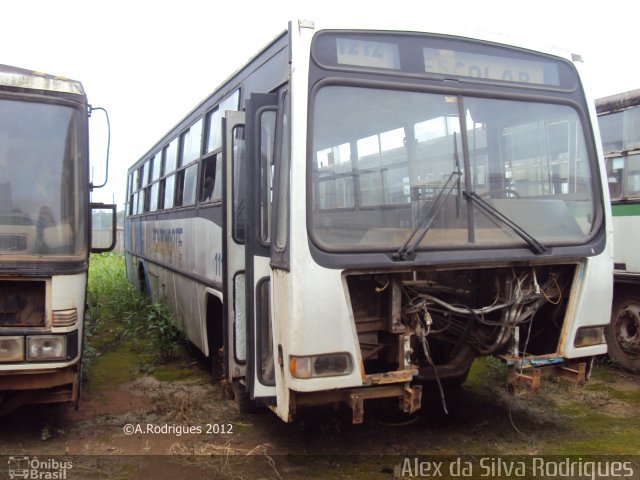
x,y
617,102
14,77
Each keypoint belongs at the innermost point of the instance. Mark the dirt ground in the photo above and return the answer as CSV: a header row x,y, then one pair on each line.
x,y
159,402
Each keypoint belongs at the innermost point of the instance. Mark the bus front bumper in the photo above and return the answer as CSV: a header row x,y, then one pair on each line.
x,y
55,385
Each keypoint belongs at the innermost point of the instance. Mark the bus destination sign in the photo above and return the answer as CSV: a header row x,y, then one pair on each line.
x,y
489,67
367,53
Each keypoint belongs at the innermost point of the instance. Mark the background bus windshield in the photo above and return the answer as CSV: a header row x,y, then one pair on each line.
x,y
380,158
40,193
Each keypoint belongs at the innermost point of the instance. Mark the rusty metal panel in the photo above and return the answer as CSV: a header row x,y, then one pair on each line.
x,y
397,376
26,380
356,403
527,380
412,401
410,398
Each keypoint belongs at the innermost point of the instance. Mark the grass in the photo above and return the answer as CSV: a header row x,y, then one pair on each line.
x,y
122,329
112,368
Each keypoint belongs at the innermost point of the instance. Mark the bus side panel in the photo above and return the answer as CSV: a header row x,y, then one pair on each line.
x,y
182,260
625,227
183,296
589,304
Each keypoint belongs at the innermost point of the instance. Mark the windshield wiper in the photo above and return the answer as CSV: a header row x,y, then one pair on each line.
x,y
408,249
535,246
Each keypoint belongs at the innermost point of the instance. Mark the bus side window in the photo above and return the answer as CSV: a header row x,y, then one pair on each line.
x,y
615,168
179,189
207,179
632,187
217,186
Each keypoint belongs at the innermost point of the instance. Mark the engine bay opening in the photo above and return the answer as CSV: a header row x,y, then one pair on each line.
x,y
440,320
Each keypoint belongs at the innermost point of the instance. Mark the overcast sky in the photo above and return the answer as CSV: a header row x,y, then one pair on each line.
x,y
150,62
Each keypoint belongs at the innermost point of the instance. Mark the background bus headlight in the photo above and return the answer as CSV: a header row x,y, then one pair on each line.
x,y
333,364
46,347
11,349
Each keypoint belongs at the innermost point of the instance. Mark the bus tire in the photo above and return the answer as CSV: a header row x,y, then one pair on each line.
x,y
623,333
143,282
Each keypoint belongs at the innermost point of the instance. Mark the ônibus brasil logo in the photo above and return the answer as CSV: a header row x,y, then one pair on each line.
x,y
35,468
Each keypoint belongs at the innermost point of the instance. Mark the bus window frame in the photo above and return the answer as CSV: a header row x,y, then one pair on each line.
x,y
280,256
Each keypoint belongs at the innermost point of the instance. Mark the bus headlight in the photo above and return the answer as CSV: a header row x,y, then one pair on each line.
x,y
588,336
11,349
330,365
46,347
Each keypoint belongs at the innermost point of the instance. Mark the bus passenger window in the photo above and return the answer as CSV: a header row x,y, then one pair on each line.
x,y
192,142
153,202
190,179
168,191
147,199
171,156
161,184
179,188
615,169
207,179
186,186
214,137
141,195
632,187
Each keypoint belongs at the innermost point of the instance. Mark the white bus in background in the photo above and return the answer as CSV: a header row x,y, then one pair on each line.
x,y
45,219
360,211
619,117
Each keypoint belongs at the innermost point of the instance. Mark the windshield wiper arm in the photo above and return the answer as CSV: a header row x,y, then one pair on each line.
x,y
535,246
408,249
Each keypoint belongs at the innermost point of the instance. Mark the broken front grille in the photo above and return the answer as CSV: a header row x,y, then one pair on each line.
x,y
22,303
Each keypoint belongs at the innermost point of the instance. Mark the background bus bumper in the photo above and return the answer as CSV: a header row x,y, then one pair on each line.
x,y
41,386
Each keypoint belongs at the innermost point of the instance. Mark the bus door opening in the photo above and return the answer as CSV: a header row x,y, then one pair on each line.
x,y
261,116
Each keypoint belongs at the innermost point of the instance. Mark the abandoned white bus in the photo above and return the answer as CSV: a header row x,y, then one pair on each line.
x,y
377,208
44,236
619,118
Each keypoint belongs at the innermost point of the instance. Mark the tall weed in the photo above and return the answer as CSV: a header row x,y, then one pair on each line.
x,y
111,298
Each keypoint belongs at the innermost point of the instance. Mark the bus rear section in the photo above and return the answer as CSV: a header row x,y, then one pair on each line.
x,y
619,117
44,232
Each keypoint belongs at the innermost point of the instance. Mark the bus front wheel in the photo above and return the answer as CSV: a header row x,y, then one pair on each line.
x,y
623,334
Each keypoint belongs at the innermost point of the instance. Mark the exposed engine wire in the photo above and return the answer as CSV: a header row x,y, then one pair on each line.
x,y
422,333
517,304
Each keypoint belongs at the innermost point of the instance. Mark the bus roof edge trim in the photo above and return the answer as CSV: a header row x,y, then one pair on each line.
x,y
15,77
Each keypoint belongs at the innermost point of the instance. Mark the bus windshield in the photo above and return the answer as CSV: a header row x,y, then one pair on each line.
x,y
42,192
380,158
